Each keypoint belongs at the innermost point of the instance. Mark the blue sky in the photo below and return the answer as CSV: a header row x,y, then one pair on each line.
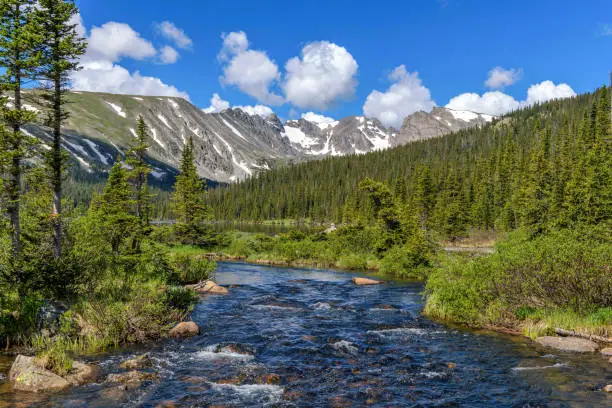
x,y
452,44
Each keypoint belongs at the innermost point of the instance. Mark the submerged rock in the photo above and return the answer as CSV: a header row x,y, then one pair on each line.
x,y
27,375
137,363
573,344
365,281
131,377
270,379
184,330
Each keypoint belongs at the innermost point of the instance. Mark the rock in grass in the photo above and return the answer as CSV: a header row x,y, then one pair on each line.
x,y
606,352
184,330
365,281
27,375
137,363
573,344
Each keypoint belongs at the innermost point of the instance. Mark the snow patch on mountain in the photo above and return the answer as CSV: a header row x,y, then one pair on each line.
x,y
297,136
233,129
156,139
165,121
118,110
103,158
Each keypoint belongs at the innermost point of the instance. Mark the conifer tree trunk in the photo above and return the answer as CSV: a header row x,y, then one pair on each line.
x,y
14,188
56,165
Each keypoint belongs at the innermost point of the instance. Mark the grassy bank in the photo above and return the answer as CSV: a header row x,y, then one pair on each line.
x,y
107,312
532,284
350,248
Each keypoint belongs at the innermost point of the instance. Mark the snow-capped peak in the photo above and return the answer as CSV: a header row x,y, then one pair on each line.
x,y
468,116
323,122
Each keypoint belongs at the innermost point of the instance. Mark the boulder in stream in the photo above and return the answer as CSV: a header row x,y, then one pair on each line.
x,y
184,330
209,287
137,363
82,373
366,281
607,352
574,344
27,375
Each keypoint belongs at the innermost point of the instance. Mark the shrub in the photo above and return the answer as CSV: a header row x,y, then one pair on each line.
x,y
192,268
560,278
178,297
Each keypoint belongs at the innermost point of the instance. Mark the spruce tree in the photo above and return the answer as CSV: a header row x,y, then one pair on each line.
x,y
20,57
62,47
140,171
112,209
190,208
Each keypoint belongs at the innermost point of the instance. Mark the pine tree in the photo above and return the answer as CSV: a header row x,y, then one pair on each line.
x,y
190,208
20,57
140,172
61,49
112,208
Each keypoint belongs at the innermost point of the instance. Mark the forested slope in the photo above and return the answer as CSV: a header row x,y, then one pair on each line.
x,y
545,164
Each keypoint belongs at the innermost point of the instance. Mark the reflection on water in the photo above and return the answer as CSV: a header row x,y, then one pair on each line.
x,y
311,338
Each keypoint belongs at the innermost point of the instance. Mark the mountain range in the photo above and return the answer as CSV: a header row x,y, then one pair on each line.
x,y
230,145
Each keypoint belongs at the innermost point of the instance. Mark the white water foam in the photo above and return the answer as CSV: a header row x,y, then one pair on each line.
x,y
271,393
321,306
215,352
403,330
558,365
275,307
345,347
433,374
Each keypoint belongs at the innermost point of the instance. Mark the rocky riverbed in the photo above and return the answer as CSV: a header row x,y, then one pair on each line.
x,y
305,337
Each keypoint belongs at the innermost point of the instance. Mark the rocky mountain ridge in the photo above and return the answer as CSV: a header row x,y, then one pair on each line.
x,y
232,144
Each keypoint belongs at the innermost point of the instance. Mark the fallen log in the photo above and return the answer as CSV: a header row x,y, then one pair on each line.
x,y
572,333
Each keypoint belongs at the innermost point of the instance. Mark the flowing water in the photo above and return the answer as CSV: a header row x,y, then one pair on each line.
x,y
311,338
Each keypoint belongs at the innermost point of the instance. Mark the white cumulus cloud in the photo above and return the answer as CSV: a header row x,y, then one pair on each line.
x,y
168,55
498,103
546,91
113,41
324,74
251,71
105,76
107,45
216,104
405,96
492,103
317,118
175,34
500,78
261,110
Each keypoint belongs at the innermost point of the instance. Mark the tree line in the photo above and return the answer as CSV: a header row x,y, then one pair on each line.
x,y
544,166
